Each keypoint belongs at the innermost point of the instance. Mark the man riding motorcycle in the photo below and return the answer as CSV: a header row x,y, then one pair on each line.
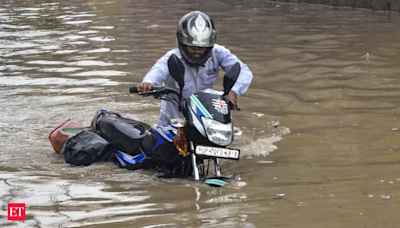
x,y
202,57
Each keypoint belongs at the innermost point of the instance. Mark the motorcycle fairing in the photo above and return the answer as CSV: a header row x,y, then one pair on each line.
x,y
196,109
123,159
165,130
195,115
211,106
164,134
126,134
163,137
199,106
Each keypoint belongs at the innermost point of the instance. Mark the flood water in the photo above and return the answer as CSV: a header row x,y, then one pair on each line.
x,y
320,119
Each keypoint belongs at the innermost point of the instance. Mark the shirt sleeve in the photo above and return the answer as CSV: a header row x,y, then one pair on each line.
x,y
226,60
159,72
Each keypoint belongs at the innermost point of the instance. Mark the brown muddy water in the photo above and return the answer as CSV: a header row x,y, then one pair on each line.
x,y
329,76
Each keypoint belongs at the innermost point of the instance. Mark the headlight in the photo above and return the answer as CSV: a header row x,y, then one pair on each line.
x,y
218,133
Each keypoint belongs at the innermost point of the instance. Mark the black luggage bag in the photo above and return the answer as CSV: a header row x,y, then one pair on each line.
x,y
86,148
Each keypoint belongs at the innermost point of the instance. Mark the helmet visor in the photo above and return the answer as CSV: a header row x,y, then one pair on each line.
x,y
196,55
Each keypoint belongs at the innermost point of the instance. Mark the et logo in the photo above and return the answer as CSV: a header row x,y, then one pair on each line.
x,y
16,211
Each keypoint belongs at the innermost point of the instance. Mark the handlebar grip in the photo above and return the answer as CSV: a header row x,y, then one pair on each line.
x,y
133,89
146,93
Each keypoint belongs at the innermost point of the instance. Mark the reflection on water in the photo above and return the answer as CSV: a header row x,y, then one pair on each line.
x,y
72,201
52,199
326,80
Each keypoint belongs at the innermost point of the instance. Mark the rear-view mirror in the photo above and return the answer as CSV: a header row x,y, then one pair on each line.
x,y
176,70
231,77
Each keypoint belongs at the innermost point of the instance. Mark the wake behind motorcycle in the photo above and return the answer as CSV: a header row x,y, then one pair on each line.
x,y
185,147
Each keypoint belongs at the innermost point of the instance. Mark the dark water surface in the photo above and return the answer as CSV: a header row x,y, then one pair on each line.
x,y
329,76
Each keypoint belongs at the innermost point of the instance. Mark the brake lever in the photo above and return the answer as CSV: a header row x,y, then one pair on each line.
x,y
159,96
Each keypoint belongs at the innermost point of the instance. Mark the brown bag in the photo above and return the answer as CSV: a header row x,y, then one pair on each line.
x,y
59,136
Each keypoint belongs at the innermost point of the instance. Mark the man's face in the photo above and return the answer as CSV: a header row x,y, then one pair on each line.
x,y
196,52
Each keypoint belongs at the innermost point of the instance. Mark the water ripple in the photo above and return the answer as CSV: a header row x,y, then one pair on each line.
x,y
331,75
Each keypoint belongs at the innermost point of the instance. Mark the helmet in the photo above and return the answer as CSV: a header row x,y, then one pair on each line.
x,y
197,31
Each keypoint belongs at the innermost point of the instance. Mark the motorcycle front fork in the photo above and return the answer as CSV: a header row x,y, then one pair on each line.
x,y
196,174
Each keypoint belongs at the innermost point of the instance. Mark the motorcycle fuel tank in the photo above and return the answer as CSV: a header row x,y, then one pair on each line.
x,y
127,134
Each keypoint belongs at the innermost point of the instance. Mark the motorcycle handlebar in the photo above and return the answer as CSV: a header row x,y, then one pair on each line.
x,y
133,89
237,107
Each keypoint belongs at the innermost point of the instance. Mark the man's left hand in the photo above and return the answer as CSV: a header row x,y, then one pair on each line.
x,y
232,97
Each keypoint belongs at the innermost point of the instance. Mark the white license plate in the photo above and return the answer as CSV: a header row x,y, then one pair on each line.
x,y
217,152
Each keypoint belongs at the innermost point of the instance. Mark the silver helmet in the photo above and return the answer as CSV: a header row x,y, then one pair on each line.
x,y
196,30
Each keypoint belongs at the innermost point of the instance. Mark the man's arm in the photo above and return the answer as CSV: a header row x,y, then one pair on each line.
x,y
226,60
156,74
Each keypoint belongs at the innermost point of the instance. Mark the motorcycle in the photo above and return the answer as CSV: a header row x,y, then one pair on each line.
x,y
186,146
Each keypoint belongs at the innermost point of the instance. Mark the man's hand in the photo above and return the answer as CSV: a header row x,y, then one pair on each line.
x,y
143,87
232,97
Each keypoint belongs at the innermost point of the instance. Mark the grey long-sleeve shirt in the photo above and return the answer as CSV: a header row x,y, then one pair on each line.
x,y
196,80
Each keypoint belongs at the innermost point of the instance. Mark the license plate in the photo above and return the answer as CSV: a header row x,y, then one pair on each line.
x,y
218,152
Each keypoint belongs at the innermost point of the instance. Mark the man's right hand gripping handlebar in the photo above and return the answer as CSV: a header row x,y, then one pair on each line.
x,y
141,87
145,89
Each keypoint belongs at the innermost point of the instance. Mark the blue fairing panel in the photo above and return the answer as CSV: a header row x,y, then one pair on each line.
x,y
163,135
165,125
159,141
169,134
199,114
130,159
